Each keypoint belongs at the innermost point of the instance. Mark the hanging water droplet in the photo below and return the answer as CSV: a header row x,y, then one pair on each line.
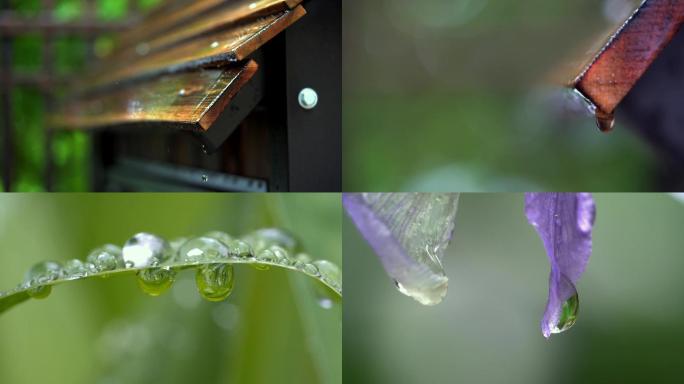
x,y
201,249
330,272
42,273
263,238
144,250
40,292
567,316
75,268
605,121
106,258
220,236
241,249
155,281
215,281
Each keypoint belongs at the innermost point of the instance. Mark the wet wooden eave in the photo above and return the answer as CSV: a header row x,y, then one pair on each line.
x,y
613,70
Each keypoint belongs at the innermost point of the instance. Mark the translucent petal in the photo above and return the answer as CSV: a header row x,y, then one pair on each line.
x,y
409,232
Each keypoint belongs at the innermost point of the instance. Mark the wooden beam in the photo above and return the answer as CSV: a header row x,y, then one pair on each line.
x,y
614,70
217,49
162,29
187,100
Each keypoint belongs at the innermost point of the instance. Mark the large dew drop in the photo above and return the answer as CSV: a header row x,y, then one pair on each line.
x,y
202,249
155,281
42,273
215,281
144,250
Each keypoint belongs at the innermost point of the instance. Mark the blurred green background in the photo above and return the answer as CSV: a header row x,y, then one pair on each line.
x,y
271,329
70,151
453,95
486,330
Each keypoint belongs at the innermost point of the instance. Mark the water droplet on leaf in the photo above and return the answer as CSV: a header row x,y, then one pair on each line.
x,y
42,273
215,281
220,236
155,281
144,250
202,249
329,271
241,249
106,258
75,268
264,238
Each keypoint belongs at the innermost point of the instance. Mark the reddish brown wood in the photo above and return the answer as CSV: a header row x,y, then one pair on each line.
x,y
223,47
188,100
628,53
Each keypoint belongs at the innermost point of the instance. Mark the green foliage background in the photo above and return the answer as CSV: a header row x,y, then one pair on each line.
x,y
70,150
444,95
109,331
629,327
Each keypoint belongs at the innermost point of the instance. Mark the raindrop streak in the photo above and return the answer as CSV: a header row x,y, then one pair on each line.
x,y
215,281
605,121
568,315
155,281
144,250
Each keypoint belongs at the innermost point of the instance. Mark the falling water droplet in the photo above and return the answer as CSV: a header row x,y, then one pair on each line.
x,y
215,281
326,297
202,249
241,249
106,258
42,273
144,250
605,121
567,316
155,281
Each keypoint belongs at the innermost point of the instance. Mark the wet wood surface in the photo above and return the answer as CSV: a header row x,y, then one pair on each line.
x,y
184,24
188,100
224,47
617,66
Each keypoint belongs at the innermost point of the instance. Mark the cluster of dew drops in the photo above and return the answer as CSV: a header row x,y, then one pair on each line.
x,y
157,262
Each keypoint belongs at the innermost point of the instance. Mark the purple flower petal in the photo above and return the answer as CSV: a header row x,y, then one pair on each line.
x,y
409,232
564,222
